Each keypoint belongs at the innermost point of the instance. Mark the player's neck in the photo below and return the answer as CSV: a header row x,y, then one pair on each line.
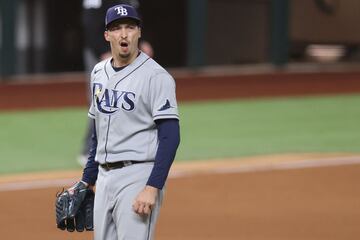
x,y
119,61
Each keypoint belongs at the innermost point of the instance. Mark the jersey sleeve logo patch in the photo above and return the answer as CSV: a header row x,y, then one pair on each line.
x,y
165,106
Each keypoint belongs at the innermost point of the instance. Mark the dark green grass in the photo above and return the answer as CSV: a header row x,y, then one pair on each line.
x,y
283,125
40,140
49,139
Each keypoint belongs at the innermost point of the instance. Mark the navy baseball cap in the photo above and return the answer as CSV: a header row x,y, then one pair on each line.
x,y
121,11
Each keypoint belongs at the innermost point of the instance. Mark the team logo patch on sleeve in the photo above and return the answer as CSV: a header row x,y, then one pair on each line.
x,y
165,106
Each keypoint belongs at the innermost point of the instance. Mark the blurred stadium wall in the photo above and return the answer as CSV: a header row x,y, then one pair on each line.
x,y
45,36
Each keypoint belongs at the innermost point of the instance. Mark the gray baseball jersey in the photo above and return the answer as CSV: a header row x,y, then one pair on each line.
x,y
125,105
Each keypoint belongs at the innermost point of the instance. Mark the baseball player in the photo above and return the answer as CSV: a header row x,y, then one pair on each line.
x,y
134,141
96,48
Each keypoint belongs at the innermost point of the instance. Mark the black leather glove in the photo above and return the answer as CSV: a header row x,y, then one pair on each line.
x,y
74,208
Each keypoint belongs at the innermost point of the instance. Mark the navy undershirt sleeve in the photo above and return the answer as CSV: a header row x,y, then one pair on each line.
x,y
91,169
169,139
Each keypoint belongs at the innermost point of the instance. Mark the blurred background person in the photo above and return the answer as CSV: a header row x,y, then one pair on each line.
x,y
97,49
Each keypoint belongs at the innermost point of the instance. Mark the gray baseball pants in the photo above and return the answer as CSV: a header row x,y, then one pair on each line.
x,y
114,218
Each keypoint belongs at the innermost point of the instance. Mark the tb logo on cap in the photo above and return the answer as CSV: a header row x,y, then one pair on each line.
x,y
121,10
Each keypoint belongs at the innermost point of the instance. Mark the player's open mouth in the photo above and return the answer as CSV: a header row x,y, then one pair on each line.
x,y
124,44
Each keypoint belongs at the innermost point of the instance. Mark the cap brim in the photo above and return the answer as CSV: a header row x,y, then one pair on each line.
x,y
136,20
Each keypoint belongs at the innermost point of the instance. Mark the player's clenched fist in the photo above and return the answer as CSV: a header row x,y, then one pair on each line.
x,y
145,201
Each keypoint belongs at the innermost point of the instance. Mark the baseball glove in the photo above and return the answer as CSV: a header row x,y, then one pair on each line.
x,y
75,208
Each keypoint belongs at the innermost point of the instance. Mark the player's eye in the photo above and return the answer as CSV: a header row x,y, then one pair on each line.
x,y
114,28
131,26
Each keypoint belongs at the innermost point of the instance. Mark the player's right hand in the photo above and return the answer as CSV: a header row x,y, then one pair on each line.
x,y
145,201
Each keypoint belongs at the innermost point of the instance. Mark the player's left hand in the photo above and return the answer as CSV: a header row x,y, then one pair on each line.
x,y
145,201
74,208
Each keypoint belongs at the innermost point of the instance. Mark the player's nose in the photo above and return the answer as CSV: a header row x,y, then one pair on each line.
x,y
123,33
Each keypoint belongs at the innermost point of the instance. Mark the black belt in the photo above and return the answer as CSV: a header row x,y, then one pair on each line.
x,y
115,165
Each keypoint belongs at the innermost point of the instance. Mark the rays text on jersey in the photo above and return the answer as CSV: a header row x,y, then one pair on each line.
x,y
109,101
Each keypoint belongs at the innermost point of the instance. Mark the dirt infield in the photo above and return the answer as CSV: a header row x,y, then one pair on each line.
x,y
284,199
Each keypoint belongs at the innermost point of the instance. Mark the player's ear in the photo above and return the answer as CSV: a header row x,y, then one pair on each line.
x,y
106,36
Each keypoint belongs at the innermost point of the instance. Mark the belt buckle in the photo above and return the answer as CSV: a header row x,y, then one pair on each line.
x,y
127,163
107,166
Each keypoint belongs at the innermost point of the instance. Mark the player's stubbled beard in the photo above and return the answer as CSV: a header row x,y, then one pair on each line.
x,y
126,55
131,45
128,45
